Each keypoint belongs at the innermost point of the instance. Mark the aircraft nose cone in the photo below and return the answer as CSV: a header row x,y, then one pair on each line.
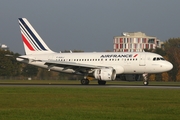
x,y
169,66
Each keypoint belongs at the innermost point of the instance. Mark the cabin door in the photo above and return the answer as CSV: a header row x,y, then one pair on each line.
x,y
142,60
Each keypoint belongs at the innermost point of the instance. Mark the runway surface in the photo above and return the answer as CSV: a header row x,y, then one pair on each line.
x,y
92,86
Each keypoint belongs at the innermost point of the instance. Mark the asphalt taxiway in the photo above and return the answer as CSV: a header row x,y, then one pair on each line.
x,y
92,86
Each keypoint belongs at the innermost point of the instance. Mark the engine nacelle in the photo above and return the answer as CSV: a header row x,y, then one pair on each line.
x,y
105,74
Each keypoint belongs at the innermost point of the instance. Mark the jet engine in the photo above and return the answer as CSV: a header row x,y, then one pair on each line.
x,y
105,74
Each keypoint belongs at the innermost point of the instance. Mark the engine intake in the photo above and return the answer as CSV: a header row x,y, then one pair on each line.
x,y
105,74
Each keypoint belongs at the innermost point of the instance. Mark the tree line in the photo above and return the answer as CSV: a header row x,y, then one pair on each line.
x,y
10,68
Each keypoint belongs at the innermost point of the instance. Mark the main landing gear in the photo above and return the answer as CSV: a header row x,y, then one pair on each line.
x,y
145,81
101,82
85,81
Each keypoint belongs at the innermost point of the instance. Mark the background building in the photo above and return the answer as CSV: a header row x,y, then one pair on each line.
x,y
138,41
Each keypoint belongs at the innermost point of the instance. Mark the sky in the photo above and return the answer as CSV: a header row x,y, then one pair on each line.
x,y
87,25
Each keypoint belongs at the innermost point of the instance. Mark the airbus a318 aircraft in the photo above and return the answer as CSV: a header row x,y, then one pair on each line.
x,y
102,66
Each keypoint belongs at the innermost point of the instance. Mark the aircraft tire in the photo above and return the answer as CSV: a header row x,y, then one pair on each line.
x,y
145,83
84,81
100,82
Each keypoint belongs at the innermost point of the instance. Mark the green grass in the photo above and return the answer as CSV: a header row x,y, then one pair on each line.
x,y
55,103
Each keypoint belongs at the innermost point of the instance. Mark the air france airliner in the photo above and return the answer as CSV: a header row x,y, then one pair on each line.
x,y
101,66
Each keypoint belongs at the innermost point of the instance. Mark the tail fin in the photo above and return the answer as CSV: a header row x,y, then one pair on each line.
x,y
33,43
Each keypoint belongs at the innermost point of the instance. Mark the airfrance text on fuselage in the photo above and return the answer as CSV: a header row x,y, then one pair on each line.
x,y
116,56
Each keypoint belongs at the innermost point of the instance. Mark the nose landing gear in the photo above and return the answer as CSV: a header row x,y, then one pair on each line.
x,y
145,81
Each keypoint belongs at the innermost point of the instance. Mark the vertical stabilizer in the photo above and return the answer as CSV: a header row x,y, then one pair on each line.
x,y
33,43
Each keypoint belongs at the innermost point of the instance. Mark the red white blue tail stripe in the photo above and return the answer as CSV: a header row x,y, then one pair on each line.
x,y
32,41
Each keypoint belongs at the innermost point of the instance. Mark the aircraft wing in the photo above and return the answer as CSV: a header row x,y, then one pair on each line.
x,y
82,68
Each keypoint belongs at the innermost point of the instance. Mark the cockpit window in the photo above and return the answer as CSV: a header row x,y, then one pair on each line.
x,y
162,58
158,58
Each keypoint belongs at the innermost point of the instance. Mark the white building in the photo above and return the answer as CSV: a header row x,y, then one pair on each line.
x,y
137,41
4,47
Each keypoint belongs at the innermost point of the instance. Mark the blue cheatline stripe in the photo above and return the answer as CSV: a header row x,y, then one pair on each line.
x,y
32,34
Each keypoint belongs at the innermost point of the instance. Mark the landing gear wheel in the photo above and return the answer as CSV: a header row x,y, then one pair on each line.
x,y
145,82
84,81
100,82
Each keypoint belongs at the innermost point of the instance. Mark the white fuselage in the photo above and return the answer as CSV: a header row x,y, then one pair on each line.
x,y
122,62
